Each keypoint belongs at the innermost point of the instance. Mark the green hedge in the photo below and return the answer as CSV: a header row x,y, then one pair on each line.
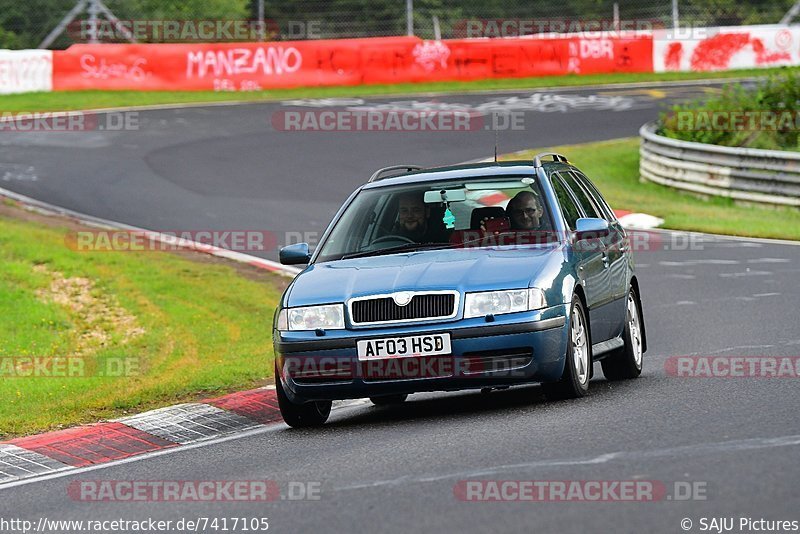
x,y
765,116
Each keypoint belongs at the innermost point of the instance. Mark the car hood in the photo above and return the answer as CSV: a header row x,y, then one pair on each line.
x,y
460,269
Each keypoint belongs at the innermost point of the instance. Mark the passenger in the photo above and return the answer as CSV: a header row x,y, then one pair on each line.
x,y
525,212
527,222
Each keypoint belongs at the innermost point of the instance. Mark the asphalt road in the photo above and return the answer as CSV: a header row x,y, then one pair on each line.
x,y
230,168
394,469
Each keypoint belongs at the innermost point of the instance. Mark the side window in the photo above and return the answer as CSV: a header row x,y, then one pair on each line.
x,y
568,207
608,213
583,199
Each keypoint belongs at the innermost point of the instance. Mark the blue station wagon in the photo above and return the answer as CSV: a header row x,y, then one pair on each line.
x,y
470,276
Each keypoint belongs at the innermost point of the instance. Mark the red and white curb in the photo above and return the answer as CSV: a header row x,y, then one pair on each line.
x,y
121,439
16,463
187,423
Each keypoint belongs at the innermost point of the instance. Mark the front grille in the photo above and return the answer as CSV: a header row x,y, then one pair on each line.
x,y
422,306
321,379
496,361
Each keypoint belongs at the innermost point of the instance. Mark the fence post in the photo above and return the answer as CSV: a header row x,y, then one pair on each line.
x,y
675,17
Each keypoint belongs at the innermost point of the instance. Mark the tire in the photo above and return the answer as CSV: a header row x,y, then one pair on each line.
x,y
304,415
388,400
626,363
574,382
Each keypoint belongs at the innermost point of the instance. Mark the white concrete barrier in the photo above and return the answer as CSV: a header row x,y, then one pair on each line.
x,y
725,48
24,71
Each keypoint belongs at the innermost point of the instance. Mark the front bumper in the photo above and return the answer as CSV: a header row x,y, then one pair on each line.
x,y
515,348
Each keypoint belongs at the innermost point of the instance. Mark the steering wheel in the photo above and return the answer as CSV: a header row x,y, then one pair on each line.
x,y
393,237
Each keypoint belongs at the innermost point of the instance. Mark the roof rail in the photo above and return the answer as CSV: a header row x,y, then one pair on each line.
x,y
378,175
537,159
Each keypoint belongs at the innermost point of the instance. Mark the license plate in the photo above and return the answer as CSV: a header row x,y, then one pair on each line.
x,y
403,347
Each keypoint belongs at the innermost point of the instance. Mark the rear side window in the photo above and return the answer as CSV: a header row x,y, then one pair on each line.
x,y
608,213
580,194
568,208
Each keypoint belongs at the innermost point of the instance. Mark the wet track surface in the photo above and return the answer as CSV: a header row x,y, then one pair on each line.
x,y
395,468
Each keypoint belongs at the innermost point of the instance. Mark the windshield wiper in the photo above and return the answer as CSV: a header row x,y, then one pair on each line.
x,y
405,247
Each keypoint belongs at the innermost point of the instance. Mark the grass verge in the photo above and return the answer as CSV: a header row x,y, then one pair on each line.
x,y
614,167
160,327
75,100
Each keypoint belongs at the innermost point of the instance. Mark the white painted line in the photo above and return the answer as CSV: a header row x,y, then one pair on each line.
x,y
97,222
145,456
769,260
680,451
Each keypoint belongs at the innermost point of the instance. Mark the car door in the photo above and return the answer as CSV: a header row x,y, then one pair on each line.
x,y
591,269
618,255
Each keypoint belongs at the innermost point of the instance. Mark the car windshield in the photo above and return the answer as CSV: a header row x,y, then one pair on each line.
x,y
473,212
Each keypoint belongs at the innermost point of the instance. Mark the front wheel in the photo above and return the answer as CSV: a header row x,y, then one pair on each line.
x,y
626,363
308,414
574,382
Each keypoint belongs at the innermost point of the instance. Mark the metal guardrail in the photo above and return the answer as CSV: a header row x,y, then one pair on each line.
x,y
747,174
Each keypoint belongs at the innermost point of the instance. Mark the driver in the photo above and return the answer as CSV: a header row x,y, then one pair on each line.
x,y
412,218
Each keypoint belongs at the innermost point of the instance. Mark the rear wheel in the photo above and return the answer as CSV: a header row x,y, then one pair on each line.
x,y
308,414
574,381
626,363
387,400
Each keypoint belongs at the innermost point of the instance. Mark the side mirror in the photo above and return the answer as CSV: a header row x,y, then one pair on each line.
x,y
591,228
297,254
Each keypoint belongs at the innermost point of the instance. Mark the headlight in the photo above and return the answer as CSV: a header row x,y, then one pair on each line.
x,y
499,302
328,317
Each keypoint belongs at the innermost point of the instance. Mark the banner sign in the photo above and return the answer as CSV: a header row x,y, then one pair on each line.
x,y
274,65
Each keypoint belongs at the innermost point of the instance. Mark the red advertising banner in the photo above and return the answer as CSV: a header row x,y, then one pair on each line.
x,y
272,65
